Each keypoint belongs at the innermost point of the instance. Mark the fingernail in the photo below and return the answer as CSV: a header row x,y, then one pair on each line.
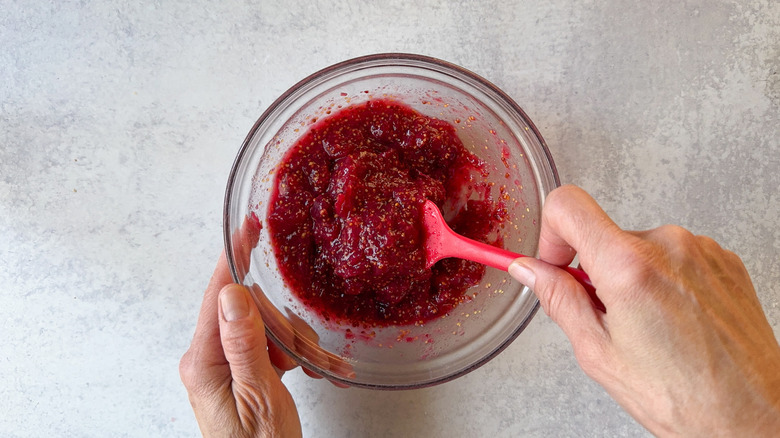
x,y
522,273
234,303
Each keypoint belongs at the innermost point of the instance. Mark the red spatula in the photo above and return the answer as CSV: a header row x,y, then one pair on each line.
x,y
441,242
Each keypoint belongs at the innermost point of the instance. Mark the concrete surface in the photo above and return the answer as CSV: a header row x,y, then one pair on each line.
x,y
119,122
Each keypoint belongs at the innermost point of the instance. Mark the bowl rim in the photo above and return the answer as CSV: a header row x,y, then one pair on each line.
x,y
404,58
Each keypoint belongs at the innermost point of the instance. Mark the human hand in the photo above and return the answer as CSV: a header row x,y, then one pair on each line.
x,y
231,372
288,328
684,345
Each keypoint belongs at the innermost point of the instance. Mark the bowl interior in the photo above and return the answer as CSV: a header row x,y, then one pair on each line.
x,y
492,127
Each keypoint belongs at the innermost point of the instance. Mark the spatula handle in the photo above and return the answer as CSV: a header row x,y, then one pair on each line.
x,y
501,259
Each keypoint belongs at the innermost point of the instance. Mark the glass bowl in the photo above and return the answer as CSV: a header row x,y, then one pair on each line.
x,y
491,126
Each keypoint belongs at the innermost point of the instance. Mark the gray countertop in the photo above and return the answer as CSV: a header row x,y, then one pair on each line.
x,y
119,122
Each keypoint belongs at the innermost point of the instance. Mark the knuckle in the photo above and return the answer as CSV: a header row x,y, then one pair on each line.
x,y
242,344
720,257
708,242
238,341
553,297
188,370
713,250
675,235
642,271
639,262
659,256
564,192
559,192
557,205
733,258
682,246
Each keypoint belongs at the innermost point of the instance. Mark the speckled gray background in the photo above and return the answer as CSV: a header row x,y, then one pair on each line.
x,y
119,123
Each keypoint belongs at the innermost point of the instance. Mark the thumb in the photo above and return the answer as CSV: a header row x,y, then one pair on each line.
x,y
563,299
243,336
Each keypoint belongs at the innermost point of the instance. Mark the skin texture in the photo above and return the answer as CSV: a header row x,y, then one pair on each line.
x,y
684,345
232,374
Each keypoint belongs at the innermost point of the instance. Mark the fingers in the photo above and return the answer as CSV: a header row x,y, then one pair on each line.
x,y
279,358
552,248
572,222
564,300
205,351
251,357
243,338
244,240
307,344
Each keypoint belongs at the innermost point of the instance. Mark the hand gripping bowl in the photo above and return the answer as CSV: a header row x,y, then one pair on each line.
x,y
490,125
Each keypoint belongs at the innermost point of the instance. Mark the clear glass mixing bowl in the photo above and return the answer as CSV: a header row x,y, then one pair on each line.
x,y
491,125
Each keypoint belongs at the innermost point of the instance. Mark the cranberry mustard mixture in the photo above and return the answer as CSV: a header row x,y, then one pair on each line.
x,y
345,216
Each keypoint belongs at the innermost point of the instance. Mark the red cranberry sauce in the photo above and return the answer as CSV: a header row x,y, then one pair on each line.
x,y
345,217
